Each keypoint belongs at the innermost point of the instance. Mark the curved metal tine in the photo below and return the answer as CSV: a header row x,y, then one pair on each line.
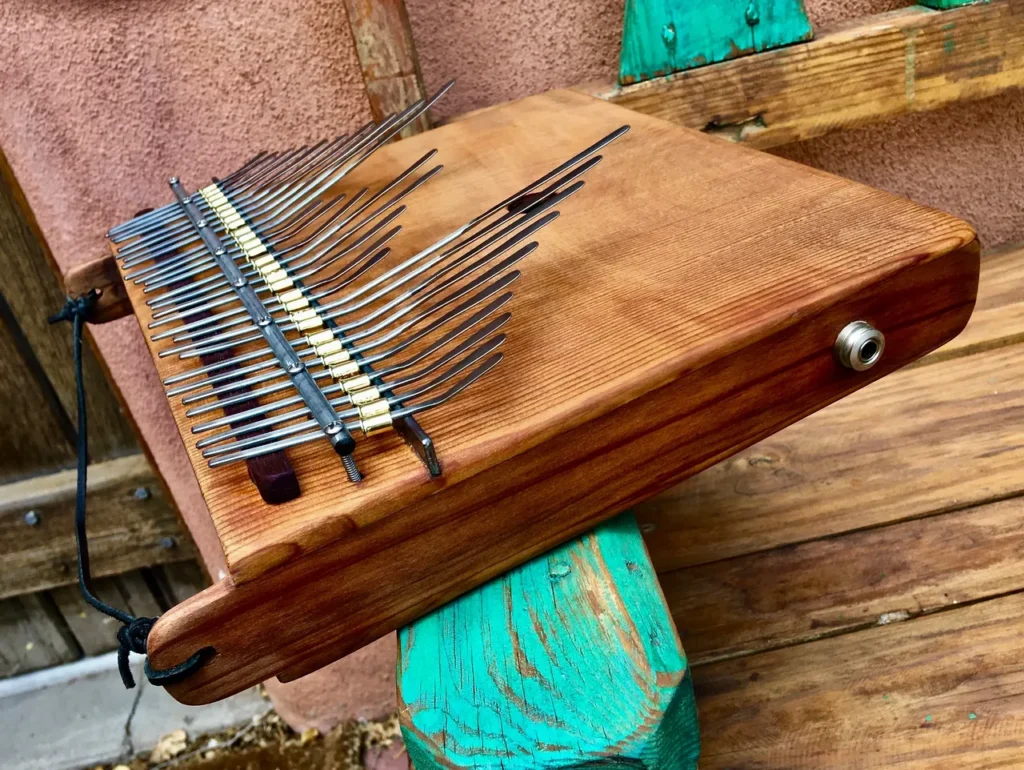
x,y
160,235
310,351
477,351
242,332
498,286
235,374
127,227
278,181
166,316
287,257
573,161
387,324
408,411
225,317
177,263
215,285
209,293
490,328
164,246
204,261
230,337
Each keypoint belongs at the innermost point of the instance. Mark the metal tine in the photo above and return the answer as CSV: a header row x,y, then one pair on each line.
x,y
411,270
495,274
310,351
574,161
408,411
142,220
376,138
160,234
281,206
384,325
283,230
208,293
287,178
213,285
171,315
490,328
497,287
550,196
207,260
195,327
216,285
474,356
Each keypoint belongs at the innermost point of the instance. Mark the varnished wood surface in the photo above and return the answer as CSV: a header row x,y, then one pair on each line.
x,y
720,275
938,565
863,71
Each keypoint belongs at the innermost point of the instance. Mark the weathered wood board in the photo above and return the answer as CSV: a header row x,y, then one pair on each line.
x,y
569,661
723,277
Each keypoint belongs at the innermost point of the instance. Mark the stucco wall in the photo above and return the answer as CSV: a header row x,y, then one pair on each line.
x,y
102,100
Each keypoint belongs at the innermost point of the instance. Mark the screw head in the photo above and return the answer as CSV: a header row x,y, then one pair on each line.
x,y
141,493
668,34
32,519
167,543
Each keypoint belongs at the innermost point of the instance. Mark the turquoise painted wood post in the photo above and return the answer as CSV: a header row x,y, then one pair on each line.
x,y
664,36
945,5
569,661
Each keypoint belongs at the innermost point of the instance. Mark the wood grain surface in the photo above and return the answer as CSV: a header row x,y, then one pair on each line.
x,y
126,531
939,692
865,70
746,267
569,661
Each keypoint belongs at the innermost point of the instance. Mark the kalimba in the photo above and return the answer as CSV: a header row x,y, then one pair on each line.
x,y
327,321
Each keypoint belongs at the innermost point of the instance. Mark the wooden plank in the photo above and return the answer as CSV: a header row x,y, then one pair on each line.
x,y
941,691
127,529
911,60
387,58
37,433
835,585
180,580
916,432
101,275
29,283
998,318
95,632
569,661
663,36
32,636
726,352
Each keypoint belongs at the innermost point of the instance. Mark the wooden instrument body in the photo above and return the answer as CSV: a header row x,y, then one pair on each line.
x,y
683,307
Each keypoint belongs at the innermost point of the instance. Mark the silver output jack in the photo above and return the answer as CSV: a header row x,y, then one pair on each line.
x,y
859,346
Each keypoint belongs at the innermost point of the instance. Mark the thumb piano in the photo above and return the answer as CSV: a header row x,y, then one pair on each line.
x,y
685,304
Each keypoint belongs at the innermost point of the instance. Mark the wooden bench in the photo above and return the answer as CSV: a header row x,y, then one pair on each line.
x,y
850,591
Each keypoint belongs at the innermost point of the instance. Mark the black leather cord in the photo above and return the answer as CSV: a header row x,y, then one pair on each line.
x,y
134,632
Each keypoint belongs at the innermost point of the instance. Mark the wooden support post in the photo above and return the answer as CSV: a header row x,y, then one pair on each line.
x,y
569,661
664,36
387,57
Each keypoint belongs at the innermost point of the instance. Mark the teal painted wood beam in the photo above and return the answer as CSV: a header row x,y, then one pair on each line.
x,y
945,5
569,661
664,36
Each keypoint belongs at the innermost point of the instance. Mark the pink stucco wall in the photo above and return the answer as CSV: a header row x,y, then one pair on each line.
x,y
104,99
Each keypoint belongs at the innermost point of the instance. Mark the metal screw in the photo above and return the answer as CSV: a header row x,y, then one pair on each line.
x,y
351,469
859,346
141,493
32,519
752,15
167,543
